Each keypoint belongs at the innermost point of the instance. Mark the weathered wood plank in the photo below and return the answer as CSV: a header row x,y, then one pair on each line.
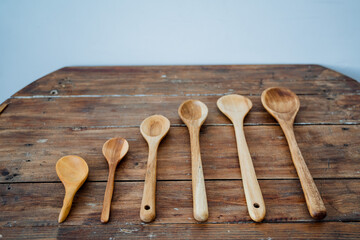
x,y
329,151
30,204
130,111
182,80
317,230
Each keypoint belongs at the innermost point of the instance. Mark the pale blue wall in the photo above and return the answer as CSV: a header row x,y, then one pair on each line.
x,y
40,36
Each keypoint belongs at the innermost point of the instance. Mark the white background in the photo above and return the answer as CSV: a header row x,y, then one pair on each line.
x,y
41,36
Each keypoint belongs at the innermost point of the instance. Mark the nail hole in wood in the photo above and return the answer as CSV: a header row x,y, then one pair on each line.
x,y
54,92
256,205
147,207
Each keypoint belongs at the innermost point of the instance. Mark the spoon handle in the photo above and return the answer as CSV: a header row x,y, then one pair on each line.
x,y
147,211
200,206
313,198
108,195
68,199
253,195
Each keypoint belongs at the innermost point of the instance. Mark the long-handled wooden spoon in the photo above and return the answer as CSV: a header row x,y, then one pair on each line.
x,y
283,105
72,171
114,150
235,107
153,129
193,113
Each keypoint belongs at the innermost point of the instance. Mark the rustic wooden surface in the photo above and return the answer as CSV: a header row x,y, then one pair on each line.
x,y
75,110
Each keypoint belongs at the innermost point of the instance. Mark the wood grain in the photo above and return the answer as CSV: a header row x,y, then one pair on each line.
x,y
182,80
114,151
72,171
129,111
283,105
76,109
236,107
320,230
329,151
31,204
193,113
153,129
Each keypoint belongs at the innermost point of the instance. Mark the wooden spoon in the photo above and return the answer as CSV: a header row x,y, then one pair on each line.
x,y
114,150
193,113
235,107
153,129
283,105
72,171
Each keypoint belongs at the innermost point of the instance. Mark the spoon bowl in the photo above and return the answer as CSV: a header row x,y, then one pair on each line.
x,y
234,104
153,129
283,105
113,150
72,171
193,111
235,107
156,126
280,101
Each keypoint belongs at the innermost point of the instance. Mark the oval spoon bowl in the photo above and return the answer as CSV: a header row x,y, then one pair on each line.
x,y
156,126
193,110
153,129
113,150
73,172
283,105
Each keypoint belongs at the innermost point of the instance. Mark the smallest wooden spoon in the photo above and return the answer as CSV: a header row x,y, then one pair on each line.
x,y
153,129
72,171
114,150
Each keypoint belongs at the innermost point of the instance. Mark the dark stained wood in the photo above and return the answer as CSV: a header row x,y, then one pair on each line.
x,y
329,151
283,198
130,111
317,230
182,80
76,109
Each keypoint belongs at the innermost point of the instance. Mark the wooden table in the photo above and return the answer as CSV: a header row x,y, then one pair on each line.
x,y
76,109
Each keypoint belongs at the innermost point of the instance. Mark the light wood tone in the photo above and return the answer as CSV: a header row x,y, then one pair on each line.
x,y
113,150
283,105
2,107
72,171
153,129
193,113
235,107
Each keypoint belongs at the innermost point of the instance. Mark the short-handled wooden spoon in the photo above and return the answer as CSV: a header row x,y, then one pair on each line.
x,y
72,171
283,105
235,107
114,150
153,129
193,113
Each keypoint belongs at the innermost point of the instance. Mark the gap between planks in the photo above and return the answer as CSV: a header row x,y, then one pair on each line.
x,y
155,95
82,128
185,180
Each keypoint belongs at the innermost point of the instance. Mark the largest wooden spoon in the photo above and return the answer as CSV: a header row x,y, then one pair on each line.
x,y
283,105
